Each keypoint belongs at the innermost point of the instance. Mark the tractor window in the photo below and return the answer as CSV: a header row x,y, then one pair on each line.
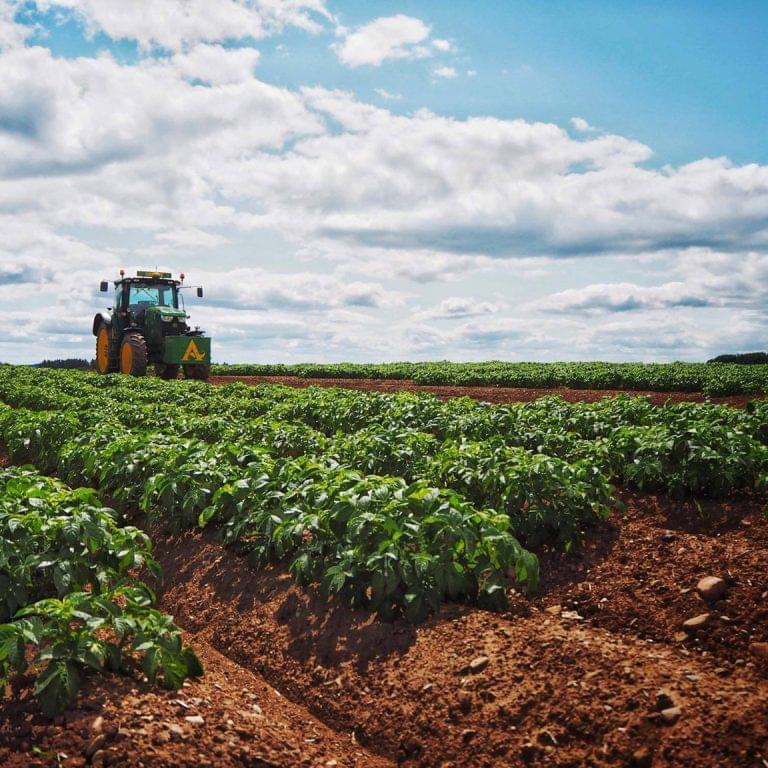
x,y
151,296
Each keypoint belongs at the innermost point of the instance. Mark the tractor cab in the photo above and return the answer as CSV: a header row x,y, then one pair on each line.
x,y
148,326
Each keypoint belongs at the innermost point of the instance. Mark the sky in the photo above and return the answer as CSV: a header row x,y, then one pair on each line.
x,y
384,180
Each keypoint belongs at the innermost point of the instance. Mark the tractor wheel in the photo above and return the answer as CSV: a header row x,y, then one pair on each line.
x,y
199,372
105,362
167,371
133,355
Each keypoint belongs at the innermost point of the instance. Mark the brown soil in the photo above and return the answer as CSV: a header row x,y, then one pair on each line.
x,y
573,675
118,721
486,394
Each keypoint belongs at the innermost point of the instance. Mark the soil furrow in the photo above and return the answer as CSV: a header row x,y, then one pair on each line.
x,y
540,684
492,394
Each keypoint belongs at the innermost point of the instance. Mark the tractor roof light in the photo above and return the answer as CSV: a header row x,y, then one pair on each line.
x,y
122,273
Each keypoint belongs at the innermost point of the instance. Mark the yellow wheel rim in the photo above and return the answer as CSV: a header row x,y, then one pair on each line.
x,y
126,358
102,350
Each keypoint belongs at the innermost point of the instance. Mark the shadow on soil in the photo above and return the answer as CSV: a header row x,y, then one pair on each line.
x,y
317,628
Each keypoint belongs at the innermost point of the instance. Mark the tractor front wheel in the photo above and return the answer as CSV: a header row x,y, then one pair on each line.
x,y
105,362
133,355
167,371
199,372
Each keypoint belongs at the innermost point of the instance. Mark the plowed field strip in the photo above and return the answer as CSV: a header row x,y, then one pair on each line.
x,y
230,718
486,394
471,688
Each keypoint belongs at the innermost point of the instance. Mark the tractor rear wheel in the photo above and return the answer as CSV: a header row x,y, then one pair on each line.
x,y
105,362
133,355
167,371
199,372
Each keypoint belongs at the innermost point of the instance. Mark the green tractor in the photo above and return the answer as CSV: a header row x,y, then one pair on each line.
x,y
147,327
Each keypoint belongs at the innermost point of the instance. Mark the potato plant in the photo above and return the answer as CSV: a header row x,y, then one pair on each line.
x,y
68,588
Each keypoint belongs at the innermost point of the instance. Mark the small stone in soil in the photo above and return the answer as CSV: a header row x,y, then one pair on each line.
x,y
664,700
194,719
711,588
697,622
671,714
95,744
478,664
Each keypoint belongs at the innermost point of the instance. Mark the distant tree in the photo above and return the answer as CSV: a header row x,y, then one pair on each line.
x,y
70,362
746,358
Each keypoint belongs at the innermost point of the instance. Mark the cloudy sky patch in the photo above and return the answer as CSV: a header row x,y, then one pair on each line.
x,y
344,190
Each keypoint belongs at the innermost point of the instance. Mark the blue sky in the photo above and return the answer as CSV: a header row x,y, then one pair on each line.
x,y
391,180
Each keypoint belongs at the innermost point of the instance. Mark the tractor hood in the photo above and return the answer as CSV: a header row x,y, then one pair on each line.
x,y
166,313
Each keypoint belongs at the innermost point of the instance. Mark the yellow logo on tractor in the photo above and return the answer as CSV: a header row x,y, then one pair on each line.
x,y
192,352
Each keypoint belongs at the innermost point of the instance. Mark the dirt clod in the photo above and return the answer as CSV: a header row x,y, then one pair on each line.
x,y
759,650
697,622
671,714
711,588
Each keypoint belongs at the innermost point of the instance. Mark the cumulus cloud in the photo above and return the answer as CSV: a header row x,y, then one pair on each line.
x,y
507,188
258,289
581,125
624,297
457,307
12,34
177,24
445,72
216,65
385,94
387,38
189,157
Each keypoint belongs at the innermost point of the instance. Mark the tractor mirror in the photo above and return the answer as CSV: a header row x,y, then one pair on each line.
x,y
104,287
199,292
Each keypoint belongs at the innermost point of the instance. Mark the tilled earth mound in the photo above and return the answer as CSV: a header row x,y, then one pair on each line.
x,y
229,717
595,670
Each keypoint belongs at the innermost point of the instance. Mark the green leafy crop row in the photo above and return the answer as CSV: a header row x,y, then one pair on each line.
x,y
398,502
67,587
711,379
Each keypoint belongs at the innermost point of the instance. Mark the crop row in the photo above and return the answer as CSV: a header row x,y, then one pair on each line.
x,y
332,479
67,587
709,378
682,448
393,545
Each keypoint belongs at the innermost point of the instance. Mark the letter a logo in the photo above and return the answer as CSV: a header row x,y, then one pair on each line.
x,y
193,352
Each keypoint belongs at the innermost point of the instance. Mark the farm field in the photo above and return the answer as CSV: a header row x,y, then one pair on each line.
x,y
489,394
425,581
718,379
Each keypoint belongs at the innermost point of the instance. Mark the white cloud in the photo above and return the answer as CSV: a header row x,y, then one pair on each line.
x,y
603,298
216,65
190,159
457,307
259,289
177,24
581,125
500,187
447,73
444,46
387,95
387,38
12,34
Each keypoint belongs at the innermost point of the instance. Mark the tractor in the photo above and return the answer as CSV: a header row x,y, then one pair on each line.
x,y
147,326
